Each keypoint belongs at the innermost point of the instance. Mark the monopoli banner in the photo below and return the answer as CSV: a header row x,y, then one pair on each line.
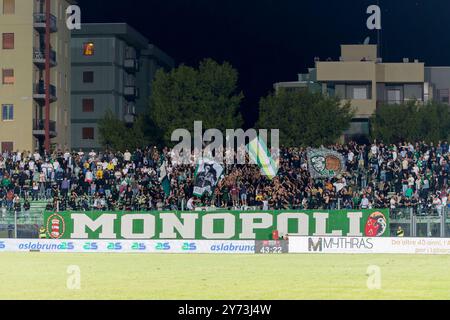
x,y
127,246
360,245
217,225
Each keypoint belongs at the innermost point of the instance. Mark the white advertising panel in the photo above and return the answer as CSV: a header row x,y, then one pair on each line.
x,y
355,245
128,246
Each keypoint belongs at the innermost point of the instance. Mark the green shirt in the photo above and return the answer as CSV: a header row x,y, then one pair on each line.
x,y
6,182
409,193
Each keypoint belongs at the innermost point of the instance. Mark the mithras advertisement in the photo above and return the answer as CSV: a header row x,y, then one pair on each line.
x,y
360,245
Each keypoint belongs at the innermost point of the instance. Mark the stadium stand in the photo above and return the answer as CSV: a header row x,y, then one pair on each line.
x,y
377,176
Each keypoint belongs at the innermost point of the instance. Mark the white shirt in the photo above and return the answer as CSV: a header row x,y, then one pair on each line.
x,y
338,186
438,203
364,203
190,204
31,165
89,176
350,156
127,156
405,164
374,149
393,203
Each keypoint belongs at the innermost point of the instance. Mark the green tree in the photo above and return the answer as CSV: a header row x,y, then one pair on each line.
x,y
184,95
411,121
116,135
304,118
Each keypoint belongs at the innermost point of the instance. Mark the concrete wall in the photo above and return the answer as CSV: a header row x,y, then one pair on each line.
x,y
110,76
107,90
20,130
61,77
400,72
358,52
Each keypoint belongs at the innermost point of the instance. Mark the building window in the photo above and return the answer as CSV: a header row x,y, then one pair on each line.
x,y
88,133
8,76
7,112
88,77
9,6
7,146
394,96
88,49
88,105
360,93
8,41
444,96
129,109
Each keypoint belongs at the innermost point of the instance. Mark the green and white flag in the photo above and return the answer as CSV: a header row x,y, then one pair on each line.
x,y
259,153
164,178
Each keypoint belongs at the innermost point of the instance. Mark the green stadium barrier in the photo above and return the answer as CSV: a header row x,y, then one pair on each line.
x,y
230,225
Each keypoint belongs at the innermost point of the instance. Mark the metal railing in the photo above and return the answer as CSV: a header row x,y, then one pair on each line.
x,y
39,125
39,54
40,89
42,18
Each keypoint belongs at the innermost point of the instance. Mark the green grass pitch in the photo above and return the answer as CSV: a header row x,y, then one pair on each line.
x,y
254,277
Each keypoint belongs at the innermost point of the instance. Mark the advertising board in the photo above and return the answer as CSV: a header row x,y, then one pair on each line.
x,y
127,246
217,225
359,245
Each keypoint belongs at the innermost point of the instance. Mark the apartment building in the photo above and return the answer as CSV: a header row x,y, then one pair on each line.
x,y
439,80
361,77
306,81
113,66
35,68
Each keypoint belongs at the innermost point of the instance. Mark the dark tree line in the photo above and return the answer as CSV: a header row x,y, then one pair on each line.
x,y
210,93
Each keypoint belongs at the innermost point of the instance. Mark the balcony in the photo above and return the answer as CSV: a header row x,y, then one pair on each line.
x,y
363,108
129,115
131,92
40,22
39,128
418,102
131,65
129,118
39,92
39,57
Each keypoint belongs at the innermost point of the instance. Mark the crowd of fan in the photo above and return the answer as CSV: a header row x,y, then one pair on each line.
x,y
376,176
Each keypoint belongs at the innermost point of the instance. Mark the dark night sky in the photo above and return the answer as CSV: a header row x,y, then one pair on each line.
x,y
270,41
